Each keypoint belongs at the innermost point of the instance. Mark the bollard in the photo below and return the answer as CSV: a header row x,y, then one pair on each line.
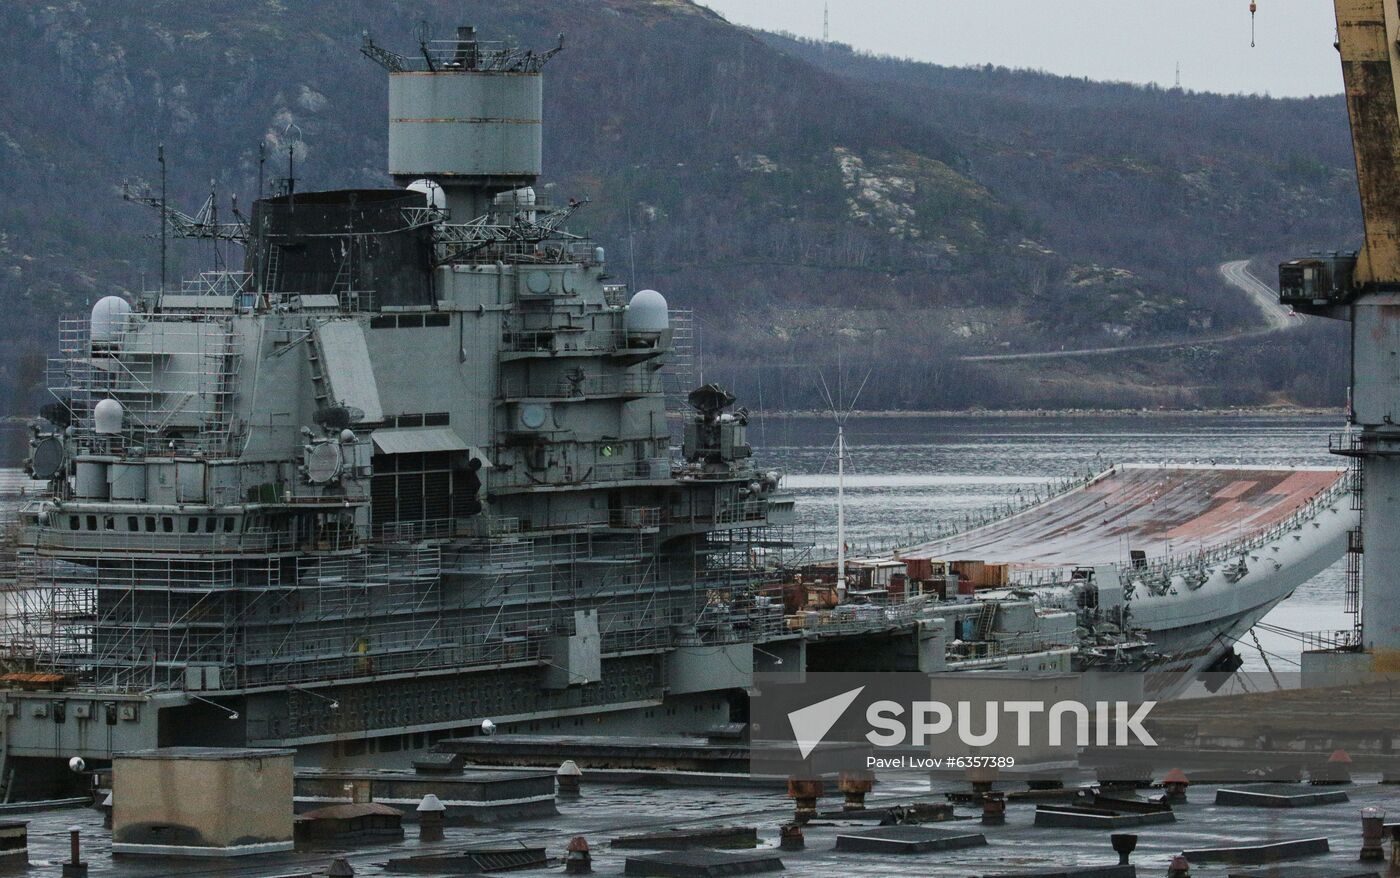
x,y
106,808
578,861
804,792
790,837
431,812
1124,843
982,778
855,784
1175,783
569,775
75,867
993,808
1179,868
1372,835
340,868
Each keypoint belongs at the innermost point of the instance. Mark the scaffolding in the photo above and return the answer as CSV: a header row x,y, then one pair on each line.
x,y
174,374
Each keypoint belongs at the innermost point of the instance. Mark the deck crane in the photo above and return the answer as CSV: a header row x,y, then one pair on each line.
x,y
1363,287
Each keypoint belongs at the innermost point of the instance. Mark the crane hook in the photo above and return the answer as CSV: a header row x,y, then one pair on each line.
x,y
1253,8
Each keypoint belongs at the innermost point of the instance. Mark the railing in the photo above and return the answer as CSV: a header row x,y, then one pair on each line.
x,y
217,283
856,618
1341,640
1169,566
1354,443
565,387
622,471
1161,569
125,542
563,339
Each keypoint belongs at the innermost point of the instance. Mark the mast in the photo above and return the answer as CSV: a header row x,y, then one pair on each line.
x,y
164,207
841,508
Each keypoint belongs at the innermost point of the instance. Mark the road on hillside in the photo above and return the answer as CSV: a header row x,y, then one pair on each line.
x,y
1277,318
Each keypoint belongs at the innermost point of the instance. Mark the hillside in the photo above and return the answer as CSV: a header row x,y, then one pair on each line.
x,y
812,204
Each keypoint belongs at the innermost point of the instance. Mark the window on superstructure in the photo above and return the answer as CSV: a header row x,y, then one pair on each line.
x,y
150,524
132,524
211,524
92,522
228,524
192,525
167,524
73,523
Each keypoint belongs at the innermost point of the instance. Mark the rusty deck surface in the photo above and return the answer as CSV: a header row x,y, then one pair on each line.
x,y
1158,509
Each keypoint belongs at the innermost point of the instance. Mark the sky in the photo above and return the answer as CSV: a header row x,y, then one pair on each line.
x,y
1123,40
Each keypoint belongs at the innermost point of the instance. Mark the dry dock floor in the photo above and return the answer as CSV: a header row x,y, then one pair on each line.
x,y
609,810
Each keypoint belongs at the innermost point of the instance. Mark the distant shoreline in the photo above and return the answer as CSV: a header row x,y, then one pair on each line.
x,y
1262,411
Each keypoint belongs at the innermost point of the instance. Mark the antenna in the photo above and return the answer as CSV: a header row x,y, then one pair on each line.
x,y
160,158
291,162
631,248
262,161
841,415
1178,76
826,24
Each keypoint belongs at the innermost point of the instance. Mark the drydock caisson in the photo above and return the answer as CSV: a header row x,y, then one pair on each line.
x,y
410,471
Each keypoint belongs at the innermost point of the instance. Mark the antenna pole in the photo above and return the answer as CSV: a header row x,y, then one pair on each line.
x,y
160,157
841,510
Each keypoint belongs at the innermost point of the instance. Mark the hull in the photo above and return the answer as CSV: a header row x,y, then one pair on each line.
x,y
1201,553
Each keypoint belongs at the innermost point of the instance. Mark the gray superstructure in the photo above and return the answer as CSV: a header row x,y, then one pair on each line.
x,y
410,470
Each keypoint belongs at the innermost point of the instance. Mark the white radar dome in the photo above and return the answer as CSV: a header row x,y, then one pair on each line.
x,y
107,417
647,313
108,318
431,191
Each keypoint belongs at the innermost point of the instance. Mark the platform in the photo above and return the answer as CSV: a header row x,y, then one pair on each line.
x,y
703,864
908,840
1278,795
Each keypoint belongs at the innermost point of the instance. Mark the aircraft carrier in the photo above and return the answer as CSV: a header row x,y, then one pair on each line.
x,y
407,474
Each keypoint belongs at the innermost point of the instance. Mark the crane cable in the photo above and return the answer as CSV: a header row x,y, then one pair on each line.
x,y
1253,8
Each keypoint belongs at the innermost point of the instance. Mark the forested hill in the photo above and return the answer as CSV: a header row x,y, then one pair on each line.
x,y
812,204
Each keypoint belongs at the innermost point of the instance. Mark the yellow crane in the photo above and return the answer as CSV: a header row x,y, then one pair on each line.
x,y
1363,287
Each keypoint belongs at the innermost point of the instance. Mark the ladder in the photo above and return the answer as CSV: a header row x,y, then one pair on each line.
x,y
271,265
986,619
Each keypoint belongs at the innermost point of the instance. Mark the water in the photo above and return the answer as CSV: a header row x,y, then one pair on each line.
x,y
908,475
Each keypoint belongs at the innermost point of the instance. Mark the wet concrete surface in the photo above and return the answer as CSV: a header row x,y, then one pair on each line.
x,y
607,810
